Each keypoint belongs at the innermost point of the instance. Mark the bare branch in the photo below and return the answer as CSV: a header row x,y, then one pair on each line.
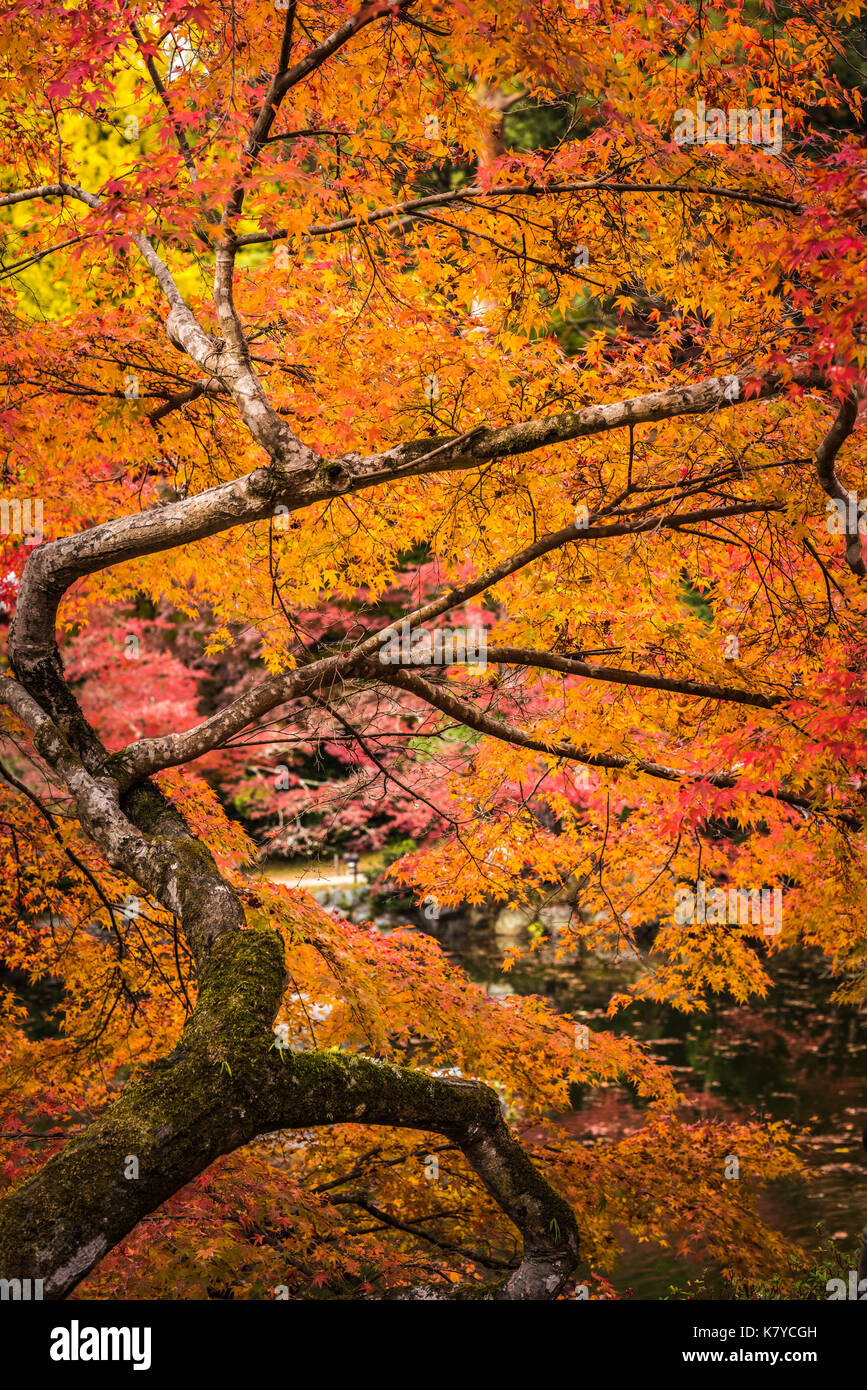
x,y
385,1218
160,88
152,754
48,190
475,193
521,656
149,755
443,699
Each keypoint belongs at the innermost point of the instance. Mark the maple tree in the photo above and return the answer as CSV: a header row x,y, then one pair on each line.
x,y
326,317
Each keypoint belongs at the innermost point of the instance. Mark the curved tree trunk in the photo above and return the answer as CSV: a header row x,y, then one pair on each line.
x,y
225,1083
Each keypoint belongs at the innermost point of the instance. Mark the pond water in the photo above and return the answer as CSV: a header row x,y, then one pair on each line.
x,y
793,1056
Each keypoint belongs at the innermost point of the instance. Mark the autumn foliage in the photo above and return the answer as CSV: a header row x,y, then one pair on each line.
x,y
448,242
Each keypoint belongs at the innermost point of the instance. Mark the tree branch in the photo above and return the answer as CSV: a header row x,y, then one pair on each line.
x,y
826,454
524,656
159,87
475,193
149,755
385,1218
297,477
442,699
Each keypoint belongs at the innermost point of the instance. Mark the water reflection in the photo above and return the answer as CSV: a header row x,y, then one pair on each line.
x,y
794,1056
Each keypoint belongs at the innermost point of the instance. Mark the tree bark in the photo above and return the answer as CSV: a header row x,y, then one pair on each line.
x,y
225,1082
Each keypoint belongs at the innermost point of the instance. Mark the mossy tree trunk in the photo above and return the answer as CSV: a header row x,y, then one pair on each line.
x,y
225,1083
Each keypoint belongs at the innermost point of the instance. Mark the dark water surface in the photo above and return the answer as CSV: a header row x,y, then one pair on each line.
x,y
794,1056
